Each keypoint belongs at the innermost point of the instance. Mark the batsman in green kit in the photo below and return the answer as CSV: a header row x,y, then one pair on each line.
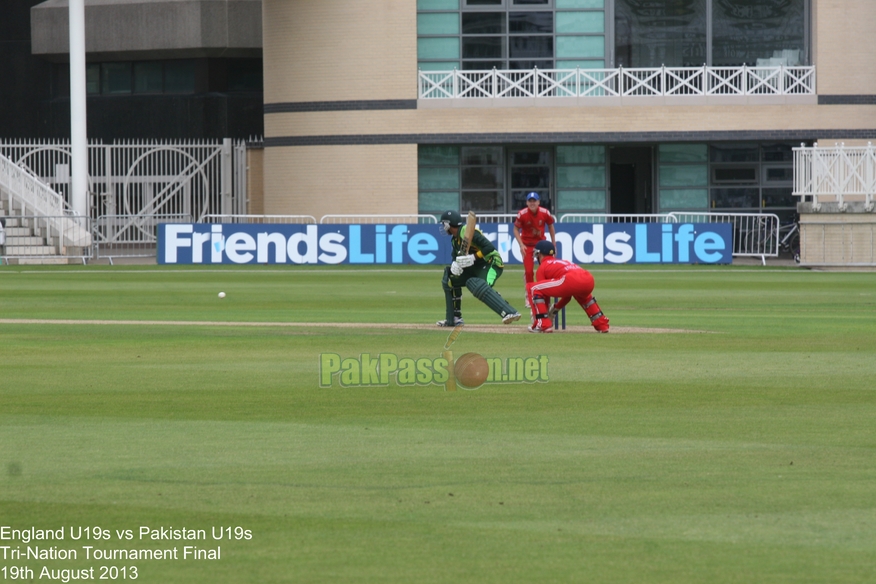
x,y
477,270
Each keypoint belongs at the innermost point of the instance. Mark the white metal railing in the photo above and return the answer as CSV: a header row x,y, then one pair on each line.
x,y
26,194
659,81
132,236
373,219
754,234
142,177
496,217
619,218
261,219
836,174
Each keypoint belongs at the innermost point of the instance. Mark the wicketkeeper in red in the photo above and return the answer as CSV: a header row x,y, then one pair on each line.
x,y
529,229
564,280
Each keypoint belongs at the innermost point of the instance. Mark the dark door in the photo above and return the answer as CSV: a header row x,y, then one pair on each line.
x,y
530,171
631,180
623,189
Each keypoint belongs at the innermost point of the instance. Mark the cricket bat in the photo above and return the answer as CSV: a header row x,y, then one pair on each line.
x,y
470,223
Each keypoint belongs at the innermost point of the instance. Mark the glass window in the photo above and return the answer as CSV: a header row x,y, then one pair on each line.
x,y
779,198
684,153
531,22
92,79
482,47
678,199
437,4
777,153
482,155
582,64
580,46
684,175
433,155
743,198
758,33
482,201
483,2
580,154
778,174
580,3
581,200
656,33
438,65
734,174
580,22
148,77
581,176
482,65
483,23
179,76
482,177
439,178
531,47
438,48
442,23
438,201
735,153
115,78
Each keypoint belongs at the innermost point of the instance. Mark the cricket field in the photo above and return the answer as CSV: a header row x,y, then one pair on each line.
x,y
302,429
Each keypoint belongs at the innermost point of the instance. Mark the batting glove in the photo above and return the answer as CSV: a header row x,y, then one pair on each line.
x,y
552,311
465,261
455,269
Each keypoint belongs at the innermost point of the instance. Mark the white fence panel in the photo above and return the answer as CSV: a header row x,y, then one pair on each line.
x,y
840,174
376,219
754,234
655,81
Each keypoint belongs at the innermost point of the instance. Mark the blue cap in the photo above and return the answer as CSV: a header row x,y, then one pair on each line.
x,y
532,197
545,247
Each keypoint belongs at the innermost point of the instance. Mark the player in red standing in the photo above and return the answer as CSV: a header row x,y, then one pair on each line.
x,y
529,230
564,280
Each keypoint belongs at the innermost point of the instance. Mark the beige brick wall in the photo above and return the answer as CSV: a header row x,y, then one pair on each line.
x,y
838,239
336,50
255,181
572,119
322,180
845,46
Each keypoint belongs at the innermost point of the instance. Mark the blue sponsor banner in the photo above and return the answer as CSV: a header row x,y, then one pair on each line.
x,y
583,243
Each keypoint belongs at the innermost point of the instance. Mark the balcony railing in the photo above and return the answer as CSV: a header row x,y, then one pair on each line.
x,y
840,175
621,82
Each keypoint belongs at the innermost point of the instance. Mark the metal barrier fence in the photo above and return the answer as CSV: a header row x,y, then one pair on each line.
x,y
754,234
262,219
50,239
128,236
619,218
373,219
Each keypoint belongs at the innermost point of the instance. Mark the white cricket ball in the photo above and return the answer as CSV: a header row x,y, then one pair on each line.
x,y
222,295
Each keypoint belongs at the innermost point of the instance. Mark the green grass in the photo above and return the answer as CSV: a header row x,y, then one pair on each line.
x,y
742,453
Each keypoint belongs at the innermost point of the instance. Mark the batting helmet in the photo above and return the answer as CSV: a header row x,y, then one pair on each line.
x,y
545,247
450,219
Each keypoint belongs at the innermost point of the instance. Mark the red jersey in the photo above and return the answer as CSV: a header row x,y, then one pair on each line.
x,y
554,268
532,225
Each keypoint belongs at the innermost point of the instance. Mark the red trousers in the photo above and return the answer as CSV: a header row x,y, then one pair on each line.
x,y
528,264
577,284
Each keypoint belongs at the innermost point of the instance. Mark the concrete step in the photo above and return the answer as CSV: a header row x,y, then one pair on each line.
x,y
19,231
43,261
24,240
30,250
